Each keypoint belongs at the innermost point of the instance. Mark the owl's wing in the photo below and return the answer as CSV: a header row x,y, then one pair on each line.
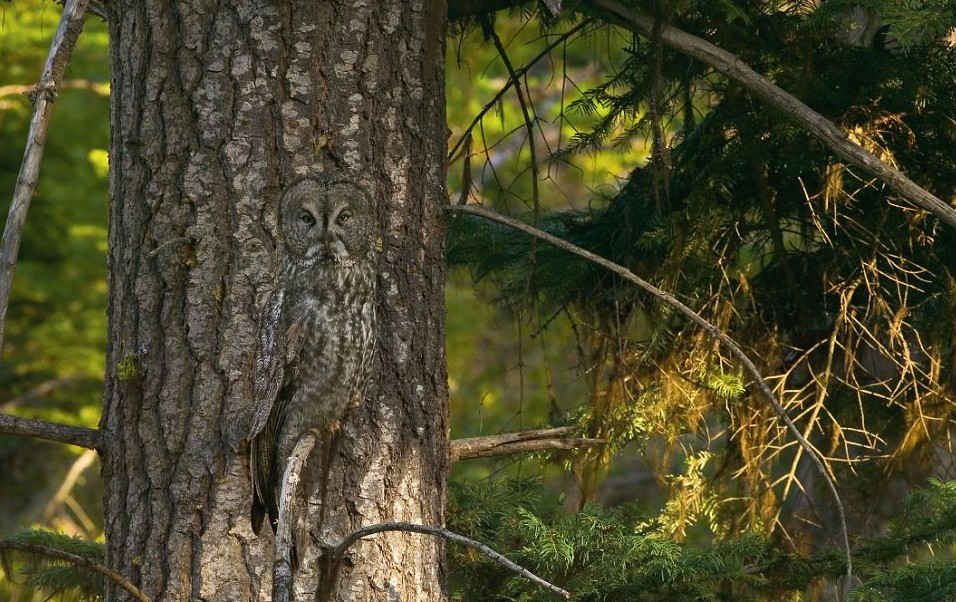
x,y
280,342
270,361
269,375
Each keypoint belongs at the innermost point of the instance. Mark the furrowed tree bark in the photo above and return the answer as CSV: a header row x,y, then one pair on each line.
x,y
214,108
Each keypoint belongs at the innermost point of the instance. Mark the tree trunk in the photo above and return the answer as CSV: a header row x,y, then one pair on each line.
x,y
214,108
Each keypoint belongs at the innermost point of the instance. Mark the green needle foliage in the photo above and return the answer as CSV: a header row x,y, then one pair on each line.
x,y
843,295
624,554
57,577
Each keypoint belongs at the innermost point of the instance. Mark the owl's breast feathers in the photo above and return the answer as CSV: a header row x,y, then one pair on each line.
x,y
326,327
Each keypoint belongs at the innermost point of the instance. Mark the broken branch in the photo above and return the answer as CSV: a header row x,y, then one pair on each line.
x,y
516,443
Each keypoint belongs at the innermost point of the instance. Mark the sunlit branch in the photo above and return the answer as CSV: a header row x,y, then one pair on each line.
x,y
818,125
282,565
42,96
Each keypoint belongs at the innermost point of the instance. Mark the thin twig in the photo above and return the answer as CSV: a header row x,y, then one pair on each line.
x,y
282,565
818,125
526,112
709,328
519,73
358,534
43,96
51,431
78,560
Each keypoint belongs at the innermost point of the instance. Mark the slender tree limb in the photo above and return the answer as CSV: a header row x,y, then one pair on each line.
x,y
818,125
337,552
43,96
709,328
51,431
521,442
282,565
80,561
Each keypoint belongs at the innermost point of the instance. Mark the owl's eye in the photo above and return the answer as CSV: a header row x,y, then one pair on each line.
x,y
344,217
306,218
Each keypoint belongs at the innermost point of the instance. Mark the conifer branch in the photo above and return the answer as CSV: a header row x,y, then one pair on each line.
x,y
818,125
337,552
42,96
710,329
515,443
79,561
51,431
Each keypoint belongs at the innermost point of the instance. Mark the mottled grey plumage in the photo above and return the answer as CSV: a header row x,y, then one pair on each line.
x,y
316,338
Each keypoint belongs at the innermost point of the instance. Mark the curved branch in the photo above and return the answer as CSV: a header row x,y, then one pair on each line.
x,y
80,561
818,125
709,328
358,534
42,96
51,431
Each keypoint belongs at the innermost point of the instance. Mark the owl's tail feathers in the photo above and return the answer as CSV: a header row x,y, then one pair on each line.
x,y
260,469
258,513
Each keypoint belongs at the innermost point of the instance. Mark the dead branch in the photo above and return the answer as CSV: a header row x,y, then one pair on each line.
x,y
282,565
337,552
818,125
51,431
516,443
96,567
43,96
710,329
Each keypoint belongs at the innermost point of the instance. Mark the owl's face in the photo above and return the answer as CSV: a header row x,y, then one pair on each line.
x,y
326,220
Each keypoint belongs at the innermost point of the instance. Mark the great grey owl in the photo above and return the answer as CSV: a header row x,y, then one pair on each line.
x,y
317,337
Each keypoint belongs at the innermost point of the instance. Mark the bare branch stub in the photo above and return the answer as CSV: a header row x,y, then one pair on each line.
x,y
521,442
51,431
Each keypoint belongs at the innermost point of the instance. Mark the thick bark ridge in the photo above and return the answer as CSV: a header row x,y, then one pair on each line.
x,y
214,108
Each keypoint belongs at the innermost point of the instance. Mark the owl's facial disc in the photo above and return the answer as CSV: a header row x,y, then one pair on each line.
x,y
326,222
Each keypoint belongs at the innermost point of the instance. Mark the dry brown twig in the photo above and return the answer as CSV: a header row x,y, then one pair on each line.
x,y
711,331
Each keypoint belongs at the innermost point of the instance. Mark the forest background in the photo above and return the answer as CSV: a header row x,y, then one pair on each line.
x,y
843,294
